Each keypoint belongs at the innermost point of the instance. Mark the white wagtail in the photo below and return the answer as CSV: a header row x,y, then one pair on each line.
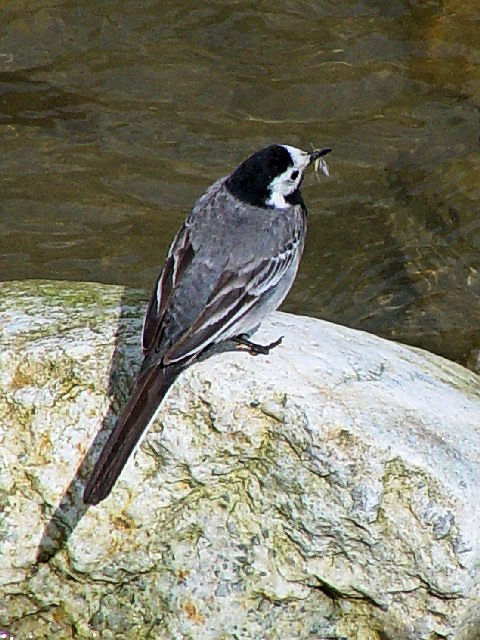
x,y
232,262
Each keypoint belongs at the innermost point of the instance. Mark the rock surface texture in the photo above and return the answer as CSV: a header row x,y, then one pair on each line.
x,y
330,489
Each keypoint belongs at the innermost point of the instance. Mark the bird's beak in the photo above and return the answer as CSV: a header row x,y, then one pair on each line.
x,y
318,153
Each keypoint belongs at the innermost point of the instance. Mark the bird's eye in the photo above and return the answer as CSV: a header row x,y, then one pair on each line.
x,y
294,175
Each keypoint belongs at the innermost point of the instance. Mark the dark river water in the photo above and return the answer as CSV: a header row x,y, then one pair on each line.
x,y
116,116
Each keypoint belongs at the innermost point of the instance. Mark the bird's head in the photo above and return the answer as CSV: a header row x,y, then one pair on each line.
x,y
272,177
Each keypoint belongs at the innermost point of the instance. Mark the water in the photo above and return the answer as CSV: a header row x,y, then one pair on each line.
x,y
115,117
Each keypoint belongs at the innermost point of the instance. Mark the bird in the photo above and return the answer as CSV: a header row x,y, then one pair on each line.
x,y
231,263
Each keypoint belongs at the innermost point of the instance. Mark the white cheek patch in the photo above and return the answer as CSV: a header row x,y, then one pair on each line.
x,y
301,159
283,185
277,199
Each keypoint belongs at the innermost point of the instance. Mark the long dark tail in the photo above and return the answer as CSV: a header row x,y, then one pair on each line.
x,y
148,392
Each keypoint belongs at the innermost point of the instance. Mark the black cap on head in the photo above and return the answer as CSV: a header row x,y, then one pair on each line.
x,y
249,183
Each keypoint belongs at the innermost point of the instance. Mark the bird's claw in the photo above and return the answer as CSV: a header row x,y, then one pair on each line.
x,y
255,349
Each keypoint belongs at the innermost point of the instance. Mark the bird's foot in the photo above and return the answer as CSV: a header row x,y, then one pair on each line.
x,y
255,349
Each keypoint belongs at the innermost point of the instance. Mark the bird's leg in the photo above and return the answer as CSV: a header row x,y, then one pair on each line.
x,y
256,349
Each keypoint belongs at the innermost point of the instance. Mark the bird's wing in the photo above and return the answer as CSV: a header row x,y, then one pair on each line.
x,y
235,294
179,259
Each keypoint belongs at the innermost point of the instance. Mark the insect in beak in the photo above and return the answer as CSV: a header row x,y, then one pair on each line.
x,y
319,163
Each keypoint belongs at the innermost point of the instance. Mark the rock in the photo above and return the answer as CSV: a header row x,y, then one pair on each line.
x,y
330,489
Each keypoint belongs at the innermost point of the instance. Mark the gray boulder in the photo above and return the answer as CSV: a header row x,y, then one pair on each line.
x,y
330,489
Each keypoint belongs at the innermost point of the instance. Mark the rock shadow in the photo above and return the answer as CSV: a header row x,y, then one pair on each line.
x,y
126,358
